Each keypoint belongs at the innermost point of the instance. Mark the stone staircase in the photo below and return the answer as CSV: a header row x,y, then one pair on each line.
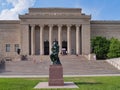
x,y
62,57
72,65
80,65
39,57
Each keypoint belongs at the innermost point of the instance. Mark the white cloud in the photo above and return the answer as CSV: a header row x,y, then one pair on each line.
x,y
19,6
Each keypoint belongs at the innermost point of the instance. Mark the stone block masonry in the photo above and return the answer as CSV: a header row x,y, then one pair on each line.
x,y
56,75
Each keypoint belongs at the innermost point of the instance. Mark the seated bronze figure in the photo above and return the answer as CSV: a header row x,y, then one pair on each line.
x,y
55,51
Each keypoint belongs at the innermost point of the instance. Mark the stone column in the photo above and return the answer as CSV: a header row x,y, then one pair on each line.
x,y
59,38
41,41
68,40
77,40
85,39
32,40
24,39
50,38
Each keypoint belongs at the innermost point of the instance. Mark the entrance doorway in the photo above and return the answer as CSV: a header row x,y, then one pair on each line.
x,y
46,47
64,47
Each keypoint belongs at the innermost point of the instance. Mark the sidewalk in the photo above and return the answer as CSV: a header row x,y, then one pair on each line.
x,y
44,76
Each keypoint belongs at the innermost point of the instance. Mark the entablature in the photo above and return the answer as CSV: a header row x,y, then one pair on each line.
x,y
54,16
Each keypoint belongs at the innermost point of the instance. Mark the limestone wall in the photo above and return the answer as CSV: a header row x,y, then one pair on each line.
x,y
106,29
9,34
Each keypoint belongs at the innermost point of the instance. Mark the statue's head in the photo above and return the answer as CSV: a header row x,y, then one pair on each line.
x,y
55,42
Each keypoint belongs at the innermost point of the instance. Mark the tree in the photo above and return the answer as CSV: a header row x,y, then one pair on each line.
x,y
100,46
114,50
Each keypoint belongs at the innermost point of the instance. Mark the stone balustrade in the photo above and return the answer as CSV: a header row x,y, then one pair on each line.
x,y
115,62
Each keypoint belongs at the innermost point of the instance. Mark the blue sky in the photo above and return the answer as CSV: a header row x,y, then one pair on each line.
x,y
98,9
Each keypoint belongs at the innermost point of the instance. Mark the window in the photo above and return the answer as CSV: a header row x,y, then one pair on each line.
x,y
7,47
16,47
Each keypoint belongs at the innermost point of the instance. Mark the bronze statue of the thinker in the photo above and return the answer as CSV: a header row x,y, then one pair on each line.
x,y
54,55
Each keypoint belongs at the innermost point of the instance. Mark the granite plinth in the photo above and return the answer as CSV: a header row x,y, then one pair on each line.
x,y
56,75
44,85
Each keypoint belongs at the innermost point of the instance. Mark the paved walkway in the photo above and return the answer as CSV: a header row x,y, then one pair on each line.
x,y
72,66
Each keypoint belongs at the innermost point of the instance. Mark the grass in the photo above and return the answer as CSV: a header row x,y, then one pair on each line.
x,y
84,83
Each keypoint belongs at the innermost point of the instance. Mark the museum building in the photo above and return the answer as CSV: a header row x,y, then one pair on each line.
x,y
34,32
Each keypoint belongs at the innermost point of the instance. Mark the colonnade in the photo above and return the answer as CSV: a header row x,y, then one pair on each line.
x,y
59,38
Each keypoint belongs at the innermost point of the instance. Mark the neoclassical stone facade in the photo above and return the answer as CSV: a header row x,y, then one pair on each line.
x,y
35,31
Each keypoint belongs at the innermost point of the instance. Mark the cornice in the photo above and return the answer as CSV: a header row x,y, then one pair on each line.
x,y
9,21
54,16
105,21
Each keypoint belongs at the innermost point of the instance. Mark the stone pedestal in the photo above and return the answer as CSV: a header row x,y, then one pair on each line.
x,y
91,57
56,75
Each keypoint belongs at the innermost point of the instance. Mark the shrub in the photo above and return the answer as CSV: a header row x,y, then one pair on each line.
x,y
114,50
100,46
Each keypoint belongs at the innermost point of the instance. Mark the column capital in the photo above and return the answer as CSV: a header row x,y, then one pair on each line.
x,y
41,25
32,25
36,24
77,25
50,25
69,25
59,25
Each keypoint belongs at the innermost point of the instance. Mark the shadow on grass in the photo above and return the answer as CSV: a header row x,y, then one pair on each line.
x,y
88,83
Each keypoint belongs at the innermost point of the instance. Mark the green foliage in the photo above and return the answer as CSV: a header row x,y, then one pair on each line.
x,y
100,46
114,50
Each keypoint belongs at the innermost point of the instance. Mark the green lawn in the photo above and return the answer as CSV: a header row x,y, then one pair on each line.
x,y
84,83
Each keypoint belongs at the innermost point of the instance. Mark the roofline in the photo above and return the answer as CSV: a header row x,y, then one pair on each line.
x,y
55,8
105,21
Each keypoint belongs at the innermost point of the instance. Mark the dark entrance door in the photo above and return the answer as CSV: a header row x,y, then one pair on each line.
x,y
64,47
46,47
64,44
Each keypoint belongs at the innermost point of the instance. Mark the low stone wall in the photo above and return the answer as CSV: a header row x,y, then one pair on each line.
x,y
115,62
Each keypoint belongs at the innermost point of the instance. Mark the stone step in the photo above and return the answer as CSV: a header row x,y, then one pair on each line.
x,y
72,65
47,57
